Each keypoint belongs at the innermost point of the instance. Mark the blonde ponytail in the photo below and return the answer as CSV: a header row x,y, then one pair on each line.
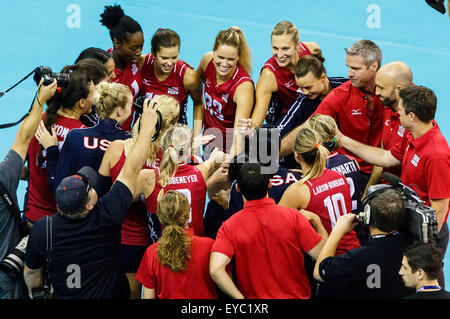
x,y
327,129
308,145
174,244
175,143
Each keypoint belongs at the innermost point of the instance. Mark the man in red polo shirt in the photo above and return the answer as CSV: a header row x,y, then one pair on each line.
x,y
424,154
354,105
390,80
268,241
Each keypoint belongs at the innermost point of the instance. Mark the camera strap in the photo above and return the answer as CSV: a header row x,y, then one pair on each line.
x,y
49,242
11,205
32,103
22,118
12,87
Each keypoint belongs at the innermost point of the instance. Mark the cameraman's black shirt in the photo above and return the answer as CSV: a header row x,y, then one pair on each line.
x,y
439,294
368,272
85,256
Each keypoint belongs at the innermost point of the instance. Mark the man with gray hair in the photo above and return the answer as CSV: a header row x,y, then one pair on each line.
x,y
354,105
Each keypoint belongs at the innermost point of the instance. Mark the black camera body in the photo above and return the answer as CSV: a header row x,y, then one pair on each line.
x,y
139,107
45,72
419,223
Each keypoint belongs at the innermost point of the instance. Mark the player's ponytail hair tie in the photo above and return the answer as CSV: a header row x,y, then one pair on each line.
x,y
332,142
316,145
171,146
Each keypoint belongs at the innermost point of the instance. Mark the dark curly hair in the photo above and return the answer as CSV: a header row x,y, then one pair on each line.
x,y
120,25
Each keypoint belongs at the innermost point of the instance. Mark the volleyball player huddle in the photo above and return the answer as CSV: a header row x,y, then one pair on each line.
x,y
225,104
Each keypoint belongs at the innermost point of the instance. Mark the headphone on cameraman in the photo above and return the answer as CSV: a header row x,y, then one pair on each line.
x,y
370,214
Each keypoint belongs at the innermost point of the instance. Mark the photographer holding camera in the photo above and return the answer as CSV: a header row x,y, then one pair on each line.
x,y
81,242
10,171
371,271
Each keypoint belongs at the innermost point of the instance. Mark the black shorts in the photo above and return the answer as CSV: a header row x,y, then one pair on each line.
x,y
131,256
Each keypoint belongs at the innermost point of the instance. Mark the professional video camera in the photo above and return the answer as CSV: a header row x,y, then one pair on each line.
x,y
420,222
45,72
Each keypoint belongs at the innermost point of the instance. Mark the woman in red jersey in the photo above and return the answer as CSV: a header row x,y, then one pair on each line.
x,y
164,73
175,173
128,40
136,235
62,115
276,89
229,90
177,266
321,190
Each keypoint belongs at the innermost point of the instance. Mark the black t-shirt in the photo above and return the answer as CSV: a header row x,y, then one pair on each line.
x,y
368,272
438,294
87,248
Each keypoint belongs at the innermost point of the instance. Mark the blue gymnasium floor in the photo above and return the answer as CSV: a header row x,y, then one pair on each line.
x,y
53,32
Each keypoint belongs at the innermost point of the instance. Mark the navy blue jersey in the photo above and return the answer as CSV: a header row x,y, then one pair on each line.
x,y
83,147
348,166
302,109
280,182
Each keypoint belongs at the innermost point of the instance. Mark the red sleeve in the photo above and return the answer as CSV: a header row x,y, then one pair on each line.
x,y
223,243
308,237
329,106
146,273
438,175
398,150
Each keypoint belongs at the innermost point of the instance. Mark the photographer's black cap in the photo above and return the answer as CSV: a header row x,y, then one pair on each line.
x,y
72,192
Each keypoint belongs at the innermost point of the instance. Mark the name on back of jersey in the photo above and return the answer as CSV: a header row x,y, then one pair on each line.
x,y
183,179
345,168
328,186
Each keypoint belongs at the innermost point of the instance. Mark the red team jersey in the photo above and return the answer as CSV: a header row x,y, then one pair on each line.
x,y
189,181
192,283
347,105
173,85
330,198
130,76
135,229
220,108
288,90
41,199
